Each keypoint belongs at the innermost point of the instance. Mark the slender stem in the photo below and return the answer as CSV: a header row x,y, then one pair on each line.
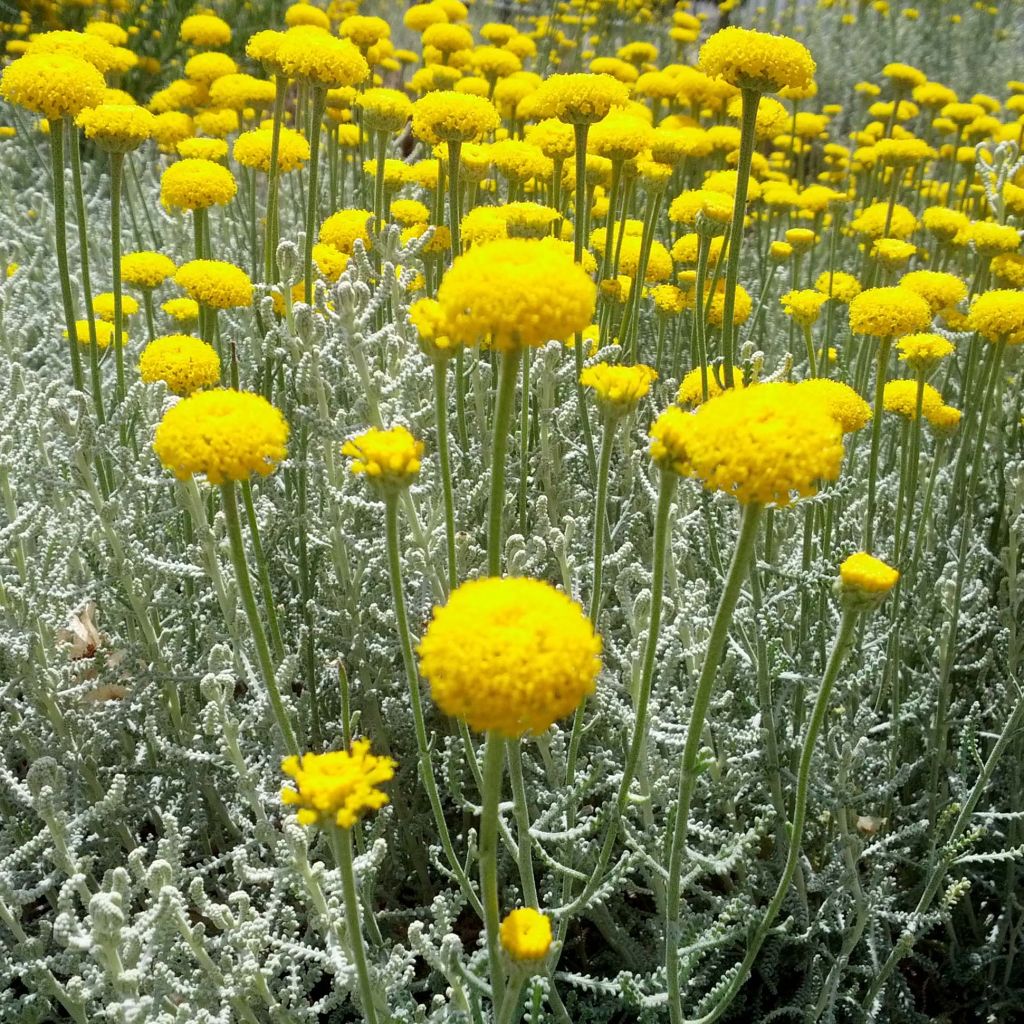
x,y
688,770
262,571
454,198
611,423
876,439
60,231
274,182
524,446
493,772
508,372
578,236
524,852
700,342
444,460
252,613
116,178
378,183
316,118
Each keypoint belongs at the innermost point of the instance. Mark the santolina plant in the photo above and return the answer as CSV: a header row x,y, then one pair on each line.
x,y
511,515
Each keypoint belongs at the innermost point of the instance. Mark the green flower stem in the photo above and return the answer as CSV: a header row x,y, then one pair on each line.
x,y
630,330
381,149
611,423
521,809
116,178
272,227
147,302
341,842
507,374
843,643
508,1012
252,613
699,326
494,769
579,228
876,439
906,509
454,197
60,231
444,461
688,767
769,280
318,101
750,99
524,446
412,679
262,571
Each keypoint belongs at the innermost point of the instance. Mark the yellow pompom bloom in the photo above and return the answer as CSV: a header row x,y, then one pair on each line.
x,y
320,59
943,223
426,317
104,333
182,310
939,289
618,388
225,434
871,221
146,270
55,85
848,409
339,787
900,397
252,149
172,127
889,312
525,934
687,206
715,306
844,287
185,364
998,315
116,127
202,149
215,284
384,110
803,305
205,30
923,351
864,577
447,38
446,116
96,51
991,239
342,229
103,306
208,67
306,14
390,458
580,98
516,292
761,444
509,655
691,387
193,184
263,47
329,261
364,30
1008,269
757,60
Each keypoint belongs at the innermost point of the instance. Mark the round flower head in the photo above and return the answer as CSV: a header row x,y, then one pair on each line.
x,y
103,306
691,387
900,397
215,284
263,47
509,655
196,185
364,30
757,60
342,229
225,434
313,56
580,98
146,270
205,30
384,110
870,222
889,312
104,333
516,292
117,127
865,580
762,445
525,934
844,287
55,85
939,289
252,149
803,305
998,315
185,364
339,787
848,409
618,388
923,352
181,309
208,67
452,117
390,458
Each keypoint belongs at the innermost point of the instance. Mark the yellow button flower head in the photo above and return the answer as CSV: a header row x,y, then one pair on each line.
x,y
998,315
757,60
525,934
991,239
196,185
1008,269
182,309
845,287
687,206
848,409
516,292
691,387
619,136
447,39
215,284
226,434
213,150
205,30
313,56
390,458
342,229
116,127
104,333
943,223
146,270
420,17
103,306
428,320
384,110
618,388
939,289
580,98
871,221
185,364
553,138
263,47
509,655
900,397
865,580
55,85
803,305
339,787
208,67
96,51
762,444
238,91
329,261
364,30
923,351
306,14
889,312
252,149
446,116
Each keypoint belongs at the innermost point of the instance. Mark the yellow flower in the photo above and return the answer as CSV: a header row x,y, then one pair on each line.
x,y
426,317
208,67
320,59
196,185
864,578
384,110
845,287
1008,269
170,128
55,85
252,149
342,229
900,397
580,98
871,221
889,312
306,14
848,409
182,362
998,315
939,289
103,306
991,239
943,223
452,117
364,30
202,149
757,60
803,305
181,309
761,444
618,388
116,127
516,292
205,30
390,458
509,655
146,270
691,387
923,351
339,787
226,434
238,91
215,284
525,934
104,333
892,252
687,206
329,261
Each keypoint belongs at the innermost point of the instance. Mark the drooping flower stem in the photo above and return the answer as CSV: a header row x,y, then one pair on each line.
x,y
493,774
876,441
507,375
259,635
318,102
688,770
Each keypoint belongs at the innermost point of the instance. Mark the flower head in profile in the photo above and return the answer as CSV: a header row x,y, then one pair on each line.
x,y
580,98
525,934
757,60
55,85
193,184
146,270
691,387
253,148
445,116
923,352
848,409
889,312
117,127
865,580
900,397
618,388
339,787
998,315
803,305
215,283
104,333
389,458
185,364
510,655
